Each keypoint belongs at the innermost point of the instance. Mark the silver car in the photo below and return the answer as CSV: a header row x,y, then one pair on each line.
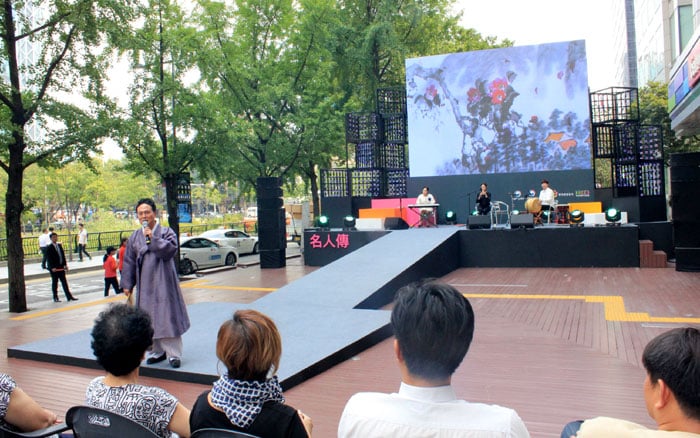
x,y
200,253
243,242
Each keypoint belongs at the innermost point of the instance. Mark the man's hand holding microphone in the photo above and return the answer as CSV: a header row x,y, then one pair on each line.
x,y
146,231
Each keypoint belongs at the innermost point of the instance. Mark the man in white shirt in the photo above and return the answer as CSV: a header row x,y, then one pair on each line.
x,y
44,241
671,392
82,242
427,215
546,196
433,324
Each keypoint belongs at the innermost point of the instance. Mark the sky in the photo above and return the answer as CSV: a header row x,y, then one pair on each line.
x,y
528,22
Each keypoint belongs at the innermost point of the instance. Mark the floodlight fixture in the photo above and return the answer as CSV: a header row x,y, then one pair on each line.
x,y
349,222
450,217
322,221
576,218
613,216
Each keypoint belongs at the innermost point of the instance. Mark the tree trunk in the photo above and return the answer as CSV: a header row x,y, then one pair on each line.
x,y
315,199
13,227
171,208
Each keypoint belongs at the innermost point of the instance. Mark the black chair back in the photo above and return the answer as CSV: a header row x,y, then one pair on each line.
x,y
89,422
54,429
220,433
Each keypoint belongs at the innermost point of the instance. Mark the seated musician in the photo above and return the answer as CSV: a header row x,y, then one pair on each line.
x,y
483,200
547,196
427,215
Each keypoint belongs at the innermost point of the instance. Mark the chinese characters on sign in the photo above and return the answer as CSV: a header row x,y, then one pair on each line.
x,y
332,240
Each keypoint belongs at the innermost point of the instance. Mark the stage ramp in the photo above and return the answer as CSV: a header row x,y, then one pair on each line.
x,y
324,318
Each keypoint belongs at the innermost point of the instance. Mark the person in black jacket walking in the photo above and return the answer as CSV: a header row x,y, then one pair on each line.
x,y
57,264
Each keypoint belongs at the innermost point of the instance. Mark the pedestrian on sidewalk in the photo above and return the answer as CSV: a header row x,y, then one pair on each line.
x,y
58,265
110,266
82,242
120,257
44,242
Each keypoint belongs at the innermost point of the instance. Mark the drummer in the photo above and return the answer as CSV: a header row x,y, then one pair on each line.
x,y
547,196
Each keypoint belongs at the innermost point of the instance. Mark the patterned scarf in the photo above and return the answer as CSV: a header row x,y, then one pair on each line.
x,y
242,400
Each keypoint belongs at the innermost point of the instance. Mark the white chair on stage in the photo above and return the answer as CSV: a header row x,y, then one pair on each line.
x,y
500,214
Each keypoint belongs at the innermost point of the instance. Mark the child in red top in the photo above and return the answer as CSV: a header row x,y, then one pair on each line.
x,y
110,266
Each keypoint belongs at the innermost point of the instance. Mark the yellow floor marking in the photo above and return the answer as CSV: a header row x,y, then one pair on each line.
x,y
70,307
203,284
614,307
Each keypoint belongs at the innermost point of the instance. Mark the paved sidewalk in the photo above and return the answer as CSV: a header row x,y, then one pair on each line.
x,y
33,269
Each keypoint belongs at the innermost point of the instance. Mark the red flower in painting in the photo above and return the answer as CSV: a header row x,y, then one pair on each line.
x,y
473,95
498,84
431,91
498,96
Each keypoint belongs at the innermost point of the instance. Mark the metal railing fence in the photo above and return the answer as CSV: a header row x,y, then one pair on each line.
x,y
99,241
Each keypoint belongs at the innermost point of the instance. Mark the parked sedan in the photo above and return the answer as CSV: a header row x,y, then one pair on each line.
x,y
243,242
200,253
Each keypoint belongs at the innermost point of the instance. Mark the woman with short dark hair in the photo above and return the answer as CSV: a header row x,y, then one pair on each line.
x,y
120,338
248,397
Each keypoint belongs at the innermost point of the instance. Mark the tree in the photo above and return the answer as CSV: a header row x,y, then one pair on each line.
x,y
653,110
157,132
68,40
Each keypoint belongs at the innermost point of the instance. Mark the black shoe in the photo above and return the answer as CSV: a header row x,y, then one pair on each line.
x,y
174,362
155,359
72,299
56,300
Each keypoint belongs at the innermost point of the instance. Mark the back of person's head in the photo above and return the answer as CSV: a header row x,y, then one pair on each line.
x,y
674,357
434,326
249,345
120,337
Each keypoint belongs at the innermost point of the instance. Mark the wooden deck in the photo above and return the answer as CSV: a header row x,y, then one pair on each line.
x,y
555,344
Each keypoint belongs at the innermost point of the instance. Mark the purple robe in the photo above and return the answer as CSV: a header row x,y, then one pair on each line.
x,y
156,281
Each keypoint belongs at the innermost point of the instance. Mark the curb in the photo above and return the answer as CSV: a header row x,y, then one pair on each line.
x,y
45,274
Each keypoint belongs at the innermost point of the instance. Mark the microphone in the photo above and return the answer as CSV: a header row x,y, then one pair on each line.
x,y
144,225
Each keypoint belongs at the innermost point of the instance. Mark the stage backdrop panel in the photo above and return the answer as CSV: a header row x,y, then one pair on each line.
x,y
508,110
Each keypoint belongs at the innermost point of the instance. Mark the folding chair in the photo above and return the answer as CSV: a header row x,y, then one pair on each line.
x,y
89,422
220,433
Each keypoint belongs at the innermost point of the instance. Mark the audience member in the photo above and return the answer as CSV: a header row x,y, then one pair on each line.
x,y
18,412
248,396
433,324
82,242
120,338
671,392
109,264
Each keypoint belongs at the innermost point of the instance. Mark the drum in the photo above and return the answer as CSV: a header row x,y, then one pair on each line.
x,y
563,215
533,205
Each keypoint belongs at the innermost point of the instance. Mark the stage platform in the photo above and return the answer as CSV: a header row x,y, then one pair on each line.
x,y
324,317
498,247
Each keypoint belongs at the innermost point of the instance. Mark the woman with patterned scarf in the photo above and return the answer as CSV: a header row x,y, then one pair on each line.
x,y
248,397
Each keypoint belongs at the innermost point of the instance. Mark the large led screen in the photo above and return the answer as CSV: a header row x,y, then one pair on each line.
x,y
515,109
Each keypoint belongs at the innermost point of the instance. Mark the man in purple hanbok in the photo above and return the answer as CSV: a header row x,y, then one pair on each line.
x,y
149,268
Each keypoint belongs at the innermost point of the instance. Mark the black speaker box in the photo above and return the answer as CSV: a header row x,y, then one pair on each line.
x,y
687,259
271,218
268,182
479,222
268,192
523,220
273,258
395,223
270,203
272,239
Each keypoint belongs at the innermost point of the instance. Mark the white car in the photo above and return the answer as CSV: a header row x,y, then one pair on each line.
x,y
200,253
243,242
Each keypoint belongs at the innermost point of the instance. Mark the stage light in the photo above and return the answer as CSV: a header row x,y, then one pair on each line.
x,y
450,217
516,211
349,222
576,219
474,212
322,221
613,216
